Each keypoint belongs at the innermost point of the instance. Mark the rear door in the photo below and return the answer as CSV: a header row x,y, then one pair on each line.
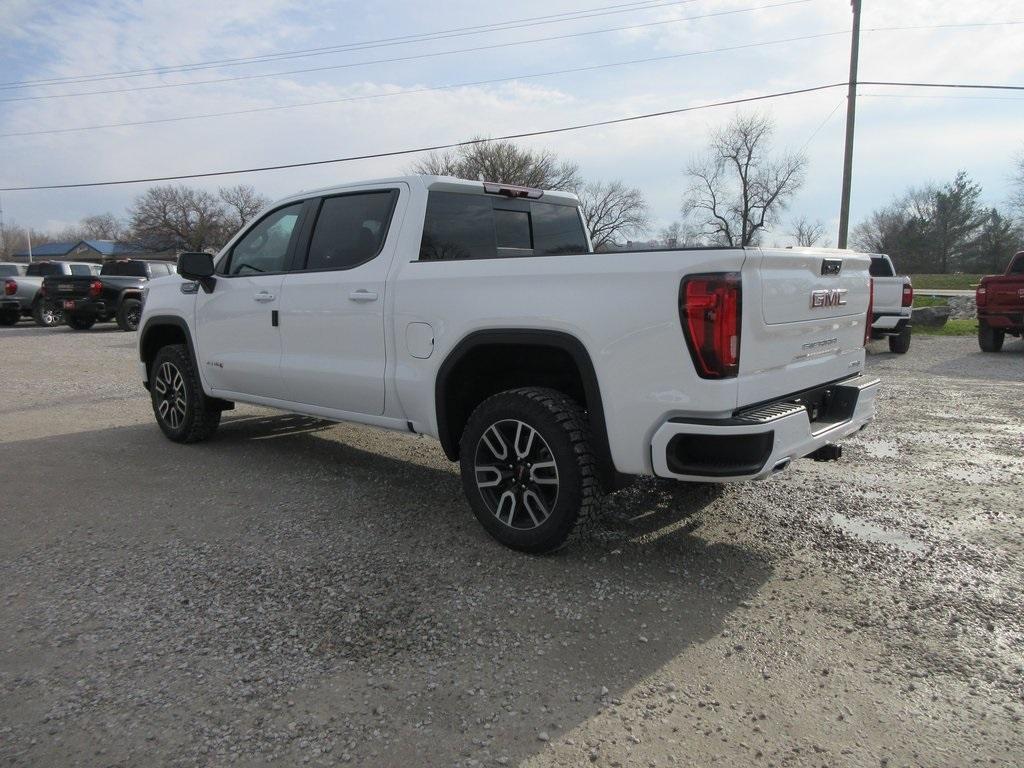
x,y
238,338
804,315
332,305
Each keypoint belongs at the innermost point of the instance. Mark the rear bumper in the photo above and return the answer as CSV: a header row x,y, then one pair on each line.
x,y
758,441
895,322
1002,319
7,305
82,307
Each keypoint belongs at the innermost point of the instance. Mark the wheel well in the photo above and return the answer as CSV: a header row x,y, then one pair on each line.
x,y
157,336
493,362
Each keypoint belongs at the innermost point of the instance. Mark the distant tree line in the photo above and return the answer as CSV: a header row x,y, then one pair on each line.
x,y
735,194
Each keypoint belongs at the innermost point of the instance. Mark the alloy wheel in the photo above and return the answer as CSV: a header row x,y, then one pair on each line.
x,y
172,399
516,474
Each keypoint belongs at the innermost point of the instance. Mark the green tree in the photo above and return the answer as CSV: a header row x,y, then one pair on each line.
x,y
997,241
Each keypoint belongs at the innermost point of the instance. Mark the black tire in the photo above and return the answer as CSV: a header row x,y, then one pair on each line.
x,y
10,317
128,315
564,432
990,339
80,322
183,412
46,315
900,344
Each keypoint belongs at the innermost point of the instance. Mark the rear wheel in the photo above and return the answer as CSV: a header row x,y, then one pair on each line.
x,y
528,469
185,414
10,317
81,322
128,315
900,344
46,315
990,339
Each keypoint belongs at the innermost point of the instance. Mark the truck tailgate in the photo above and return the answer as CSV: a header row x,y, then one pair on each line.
x,y
803,321
1005,294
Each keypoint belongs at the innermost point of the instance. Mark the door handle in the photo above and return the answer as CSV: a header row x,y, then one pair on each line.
x,y
363,295
263,296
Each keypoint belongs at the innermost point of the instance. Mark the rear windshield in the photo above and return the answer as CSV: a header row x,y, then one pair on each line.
x,y
80,269
125,269
880,267
44,269
464,226
9,270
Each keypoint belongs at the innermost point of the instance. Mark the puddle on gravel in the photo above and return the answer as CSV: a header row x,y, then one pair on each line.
x,y
878,535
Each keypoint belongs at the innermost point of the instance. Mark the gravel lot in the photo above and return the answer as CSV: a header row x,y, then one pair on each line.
x,y
294,592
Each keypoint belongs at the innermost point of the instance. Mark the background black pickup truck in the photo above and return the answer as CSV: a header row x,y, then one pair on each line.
x,y
115,295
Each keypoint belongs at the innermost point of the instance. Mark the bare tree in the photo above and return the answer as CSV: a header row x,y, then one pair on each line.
x,y
612,210
102,226
807,233
737,190
502,161
182,217
243,203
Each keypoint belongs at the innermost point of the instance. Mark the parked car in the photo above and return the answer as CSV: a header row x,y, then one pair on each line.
x,y
1000,300
22,296
478,314
892,304
115,294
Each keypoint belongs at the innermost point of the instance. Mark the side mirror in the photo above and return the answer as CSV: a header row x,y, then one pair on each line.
x,y
197,266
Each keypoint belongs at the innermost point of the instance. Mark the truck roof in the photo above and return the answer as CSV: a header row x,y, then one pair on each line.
x,y
446,183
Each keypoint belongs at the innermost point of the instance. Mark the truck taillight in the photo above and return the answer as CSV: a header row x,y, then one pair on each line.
x,y
709,308
10,287
871,310
981,296
908,295
95,288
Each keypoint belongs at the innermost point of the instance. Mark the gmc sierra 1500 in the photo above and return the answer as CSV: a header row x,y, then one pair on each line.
x,y
477,313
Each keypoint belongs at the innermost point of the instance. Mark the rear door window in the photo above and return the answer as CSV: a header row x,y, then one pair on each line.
x,y
1017,266
880,267
468,226
350,229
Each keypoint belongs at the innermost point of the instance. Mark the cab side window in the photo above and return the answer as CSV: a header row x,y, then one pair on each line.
x,y
264,248
350,230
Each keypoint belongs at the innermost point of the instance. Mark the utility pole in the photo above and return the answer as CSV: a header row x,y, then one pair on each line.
x,y
851,120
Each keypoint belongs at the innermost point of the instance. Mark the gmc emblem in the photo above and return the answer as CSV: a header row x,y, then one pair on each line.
x,y
828,297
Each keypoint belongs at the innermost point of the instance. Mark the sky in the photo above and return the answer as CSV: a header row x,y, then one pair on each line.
x,y
905,136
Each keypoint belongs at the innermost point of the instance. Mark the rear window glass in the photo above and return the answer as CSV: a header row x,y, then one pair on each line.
x,y
44,269
125,269
880,267
9,270
465,226
80,269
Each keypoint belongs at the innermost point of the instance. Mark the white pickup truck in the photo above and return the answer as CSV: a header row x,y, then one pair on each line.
x,y
892,303
478,314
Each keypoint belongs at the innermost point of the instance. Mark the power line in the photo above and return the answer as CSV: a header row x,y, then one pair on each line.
x,y
509,137
411,57
823,123
414,91
501,26
436,147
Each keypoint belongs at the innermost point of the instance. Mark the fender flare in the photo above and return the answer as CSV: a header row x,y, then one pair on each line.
x,y
161,321
560,340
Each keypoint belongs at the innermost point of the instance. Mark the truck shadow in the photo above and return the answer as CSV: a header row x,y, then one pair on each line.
x,y
293,559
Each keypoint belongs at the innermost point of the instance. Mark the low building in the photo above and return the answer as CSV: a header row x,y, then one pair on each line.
x,y
95,251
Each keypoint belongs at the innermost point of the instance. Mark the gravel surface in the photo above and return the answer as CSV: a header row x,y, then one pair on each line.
x,y
295,592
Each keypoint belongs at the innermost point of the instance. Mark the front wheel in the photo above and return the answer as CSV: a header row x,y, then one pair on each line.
x,y
46,315
128,315
990,339
528,469
182,410
900,344
81,322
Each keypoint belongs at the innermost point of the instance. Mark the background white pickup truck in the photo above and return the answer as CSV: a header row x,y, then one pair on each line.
x,y
891,304
477,313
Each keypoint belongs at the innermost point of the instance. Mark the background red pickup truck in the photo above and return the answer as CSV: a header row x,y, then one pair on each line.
x,y
1001,305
